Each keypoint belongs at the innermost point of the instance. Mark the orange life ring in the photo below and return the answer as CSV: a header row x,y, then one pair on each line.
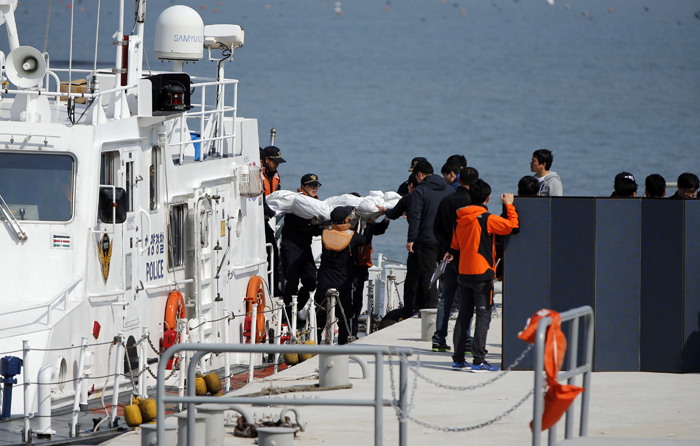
x,y
256,287
174,310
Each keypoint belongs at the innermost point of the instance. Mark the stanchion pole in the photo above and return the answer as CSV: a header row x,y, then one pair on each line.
x,y
227,357
78,384
294,317
253,329
27,434
115,387
278,336
403,401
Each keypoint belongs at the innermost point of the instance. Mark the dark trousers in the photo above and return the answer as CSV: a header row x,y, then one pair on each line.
x,y
298,264
473,294
449,291
420,267
276,284
358,287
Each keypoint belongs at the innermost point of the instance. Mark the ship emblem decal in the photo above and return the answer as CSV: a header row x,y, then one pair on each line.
x,y
104,250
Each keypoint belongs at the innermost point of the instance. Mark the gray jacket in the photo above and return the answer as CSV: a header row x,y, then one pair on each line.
x,y
550,185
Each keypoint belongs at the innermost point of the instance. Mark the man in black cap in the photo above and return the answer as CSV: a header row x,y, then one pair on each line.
x,y
340,243
271,178
270,159
403,188
422,209
625,185
297,258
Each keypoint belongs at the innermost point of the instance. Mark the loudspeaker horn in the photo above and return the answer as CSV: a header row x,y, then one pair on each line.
x,y
25,67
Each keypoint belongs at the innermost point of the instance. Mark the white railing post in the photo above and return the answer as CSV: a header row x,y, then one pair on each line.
x,y
27,434
143,363
117,375
235,113
278,335
227,358
311,317
202,125
370,305
294,317
183,364
253,328
78,386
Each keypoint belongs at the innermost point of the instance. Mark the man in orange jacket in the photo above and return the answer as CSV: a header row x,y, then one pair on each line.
x,y
474,240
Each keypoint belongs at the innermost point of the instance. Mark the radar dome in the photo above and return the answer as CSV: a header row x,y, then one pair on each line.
x,y
179,34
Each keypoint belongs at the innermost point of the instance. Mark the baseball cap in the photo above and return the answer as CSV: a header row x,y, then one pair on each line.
x,y
414,161
339,214
310,179
274,154
622,176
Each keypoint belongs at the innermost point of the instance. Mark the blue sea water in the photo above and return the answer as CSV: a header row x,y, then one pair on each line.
x,y
354,97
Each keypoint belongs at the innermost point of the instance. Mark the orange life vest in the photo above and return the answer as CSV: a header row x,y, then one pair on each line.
x,y
337,237
559,396
302,191
364,256
270,188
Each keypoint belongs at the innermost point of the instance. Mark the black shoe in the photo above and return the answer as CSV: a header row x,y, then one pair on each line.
x,y
441,347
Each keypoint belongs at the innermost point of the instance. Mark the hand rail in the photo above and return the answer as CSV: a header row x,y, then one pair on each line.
x,y
585,370
211,129
49,304
350,349
65,95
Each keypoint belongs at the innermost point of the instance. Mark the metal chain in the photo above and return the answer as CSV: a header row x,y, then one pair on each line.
x,y
475,386
394,401
406,415
468,428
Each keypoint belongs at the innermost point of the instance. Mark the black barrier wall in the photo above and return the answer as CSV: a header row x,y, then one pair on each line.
x,y
632,260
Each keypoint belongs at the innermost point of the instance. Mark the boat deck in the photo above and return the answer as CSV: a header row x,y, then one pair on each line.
x,y
656,407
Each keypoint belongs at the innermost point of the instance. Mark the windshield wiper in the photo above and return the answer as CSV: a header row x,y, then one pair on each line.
x,y
14,224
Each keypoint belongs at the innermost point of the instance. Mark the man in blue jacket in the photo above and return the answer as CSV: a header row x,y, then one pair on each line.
x,y
421,240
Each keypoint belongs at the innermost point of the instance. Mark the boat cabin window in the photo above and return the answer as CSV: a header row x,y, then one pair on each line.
x,y
38,186
130,186
109,168
177,248
153,173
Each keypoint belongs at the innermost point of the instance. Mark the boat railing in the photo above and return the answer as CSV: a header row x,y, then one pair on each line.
x,y
573,371
378,402
59,381
214,138
60,94
63,294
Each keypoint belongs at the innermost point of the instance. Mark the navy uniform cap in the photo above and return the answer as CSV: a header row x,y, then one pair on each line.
x,y
274,154
415,161
310,179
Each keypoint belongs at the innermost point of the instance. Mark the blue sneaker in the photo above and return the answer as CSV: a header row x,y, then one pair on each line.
x,y
484,367
460,365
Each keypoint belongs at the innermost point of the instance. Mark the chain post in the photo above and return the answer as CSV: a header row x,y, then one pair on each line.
x,y
403,382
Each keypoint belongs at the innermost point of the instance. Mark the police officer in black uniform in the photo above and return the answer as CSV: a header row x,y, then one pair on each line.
x,y
340,243
270,159
362,264
297,259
